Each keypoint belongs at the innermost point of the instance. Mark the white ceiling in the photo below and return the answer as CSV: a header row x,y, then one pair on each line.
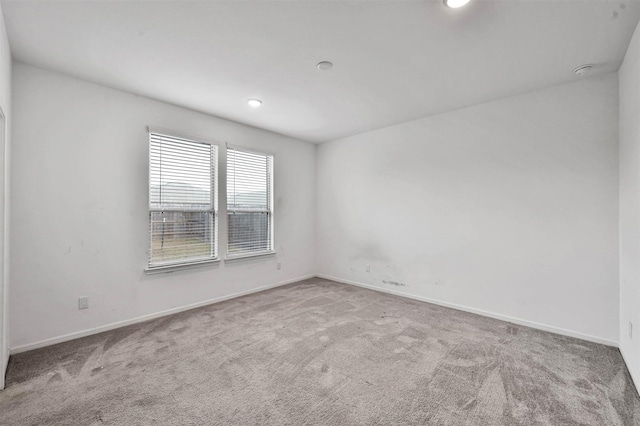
x,y
394,61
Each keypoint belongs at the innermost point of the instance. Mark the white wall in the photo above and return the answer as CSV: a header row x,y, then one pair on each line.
x,y
629,75
79,208
5,104
509,208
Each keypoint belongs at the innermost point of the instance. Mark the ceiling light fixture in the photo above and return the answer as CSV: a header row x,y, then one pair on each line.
x,y
324,65
254,103
583,69
454,4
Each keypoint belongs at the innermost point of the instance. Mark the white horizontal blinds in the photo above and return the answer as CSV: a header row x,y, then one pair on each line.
x,y
182,202
249,210
180,174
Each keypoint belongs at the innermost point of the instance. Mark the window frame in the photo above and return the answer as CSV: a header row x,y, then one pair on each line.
x,y
214,199
270,199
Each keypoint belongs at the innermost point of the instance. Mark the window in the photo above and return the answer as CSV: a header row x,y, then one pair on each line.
x,y
249,203
182,200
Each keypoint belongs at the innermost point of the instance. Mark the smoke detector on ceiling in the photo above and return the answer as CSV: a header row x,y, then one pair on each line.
x,y
324,65
583,69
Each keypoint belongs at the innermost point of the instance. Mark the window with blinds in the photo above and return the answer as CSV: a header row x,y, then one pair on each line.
x,y
182,200
249,203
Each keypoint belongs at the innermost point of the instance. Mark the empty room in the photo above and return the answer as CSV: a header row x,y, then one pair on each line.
x,y
320,212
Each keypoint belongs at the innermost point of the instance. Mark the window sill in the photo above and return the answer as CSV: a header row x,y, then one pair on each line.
x,y
249,256
179,266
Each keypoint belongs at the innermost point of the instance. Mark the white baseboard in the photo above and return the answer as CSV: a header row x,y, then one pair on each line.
x,y
635,380
107,327
532,324
95,330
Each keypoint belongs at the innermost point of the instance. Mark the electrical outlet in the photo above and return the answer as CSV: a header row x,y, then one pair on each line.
x,y
83,302
368,268
278,266
630,330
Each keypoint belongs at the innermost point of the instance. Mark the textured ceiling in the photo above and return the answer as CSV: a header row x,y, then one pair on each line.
x,y
394,61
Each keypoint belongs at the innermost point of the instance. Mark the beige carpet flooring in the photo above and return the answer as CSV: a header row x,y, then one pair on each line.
x,y
321,353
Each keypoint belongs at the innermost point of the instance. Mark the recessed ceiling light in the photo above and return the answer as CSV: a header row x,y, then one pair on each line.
x,y
583,69
454,4
324,65
254,103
